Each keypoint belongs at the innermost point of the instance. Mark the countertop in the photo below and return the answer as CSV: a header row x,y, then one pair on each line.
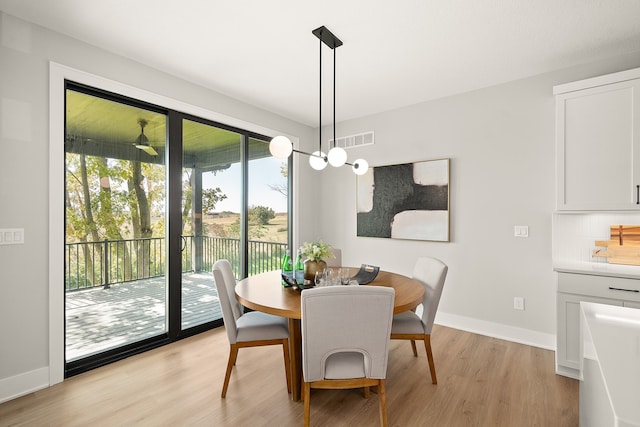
x,y
598,269
615,333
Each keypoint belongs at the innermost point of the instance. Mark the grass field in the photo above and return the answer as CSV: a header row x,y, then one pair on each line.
x,y
275,231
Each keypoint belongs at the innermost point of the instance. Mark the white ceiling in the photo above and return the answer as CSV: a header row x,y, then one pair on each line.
x,y
395,53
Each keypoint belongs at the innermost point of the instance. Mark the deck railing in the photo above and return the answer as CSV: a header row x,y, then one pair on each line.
x,y
93,264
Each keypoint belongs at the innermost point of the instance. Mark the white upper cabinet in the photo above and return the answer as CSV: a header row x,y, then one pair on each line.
x,y
598,143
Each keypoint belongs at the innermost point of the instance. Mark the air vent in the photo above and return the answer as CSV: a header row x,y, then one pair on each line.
x,y
352,141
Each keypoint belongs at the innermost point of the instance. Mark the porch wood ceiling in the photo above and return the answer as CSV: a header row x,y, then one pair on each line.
x,y
100,127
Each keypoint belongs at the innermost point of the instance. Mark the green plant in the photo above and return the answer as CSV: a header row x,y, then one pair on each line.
x,y
261,214
316,251
211,197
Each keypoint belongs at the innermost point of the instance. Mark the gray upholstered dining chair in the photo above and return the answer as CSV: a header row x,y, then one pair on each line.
x,y
431,272
345,340
336,260
250,329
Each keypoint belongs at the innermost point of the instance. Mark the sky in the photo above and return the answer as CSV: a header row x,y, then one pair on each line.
x,y
262,173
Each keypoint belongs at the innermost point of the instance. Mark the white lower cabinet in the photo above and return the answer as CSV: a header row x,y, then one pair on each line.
x,y
632,304
573,288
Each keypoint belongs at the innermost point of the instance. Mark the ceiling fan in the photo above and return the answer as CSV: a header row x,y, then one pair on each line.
x,y
142,142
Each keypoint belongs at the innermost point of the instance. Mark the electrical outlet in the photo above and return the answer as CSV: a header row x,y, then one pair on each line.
x,y
518,303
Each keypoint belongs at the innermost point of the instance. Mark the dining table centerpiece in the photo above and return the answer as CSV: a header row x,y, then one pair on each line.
x,y
316,253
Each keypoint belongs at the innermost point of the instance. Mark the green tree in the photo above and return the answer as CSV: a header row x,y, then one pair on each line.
x,y
110,199
211,197
255,231
261,215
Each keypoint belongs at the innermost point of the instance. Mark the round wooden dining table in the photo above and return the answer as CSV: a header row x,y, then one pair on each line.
x,y
264,292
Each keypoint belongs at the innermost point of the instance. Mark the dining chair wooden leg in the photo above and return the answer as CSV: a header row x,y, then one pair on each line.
x,y
287,364
307,404
382,395
432,367
413,347
233,355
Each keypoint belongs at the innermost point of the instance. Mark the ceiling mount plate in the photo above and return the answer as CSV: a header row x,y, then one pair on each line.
x,y
327,37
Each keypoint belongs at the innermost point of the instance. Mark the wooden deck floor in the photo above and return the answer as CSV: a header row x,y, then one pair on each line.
x,y
100,319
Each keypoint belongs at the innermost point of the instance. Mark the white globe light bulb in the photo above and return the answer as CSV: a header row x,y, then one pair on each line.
x,y
280,147
337,156
360,167
318,160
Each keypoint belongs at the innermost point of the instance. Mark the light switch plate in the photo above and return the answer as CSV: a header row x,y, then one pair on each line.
x,y
11,236
518,303
521,230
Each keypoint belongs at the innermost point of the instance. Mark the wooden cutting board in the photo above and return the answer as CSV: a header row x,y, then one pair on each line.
x,y
623,246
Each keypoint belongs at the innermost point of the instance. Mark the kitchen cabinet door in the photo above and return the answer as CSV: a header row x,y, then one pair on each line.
x,y
598,147
569,341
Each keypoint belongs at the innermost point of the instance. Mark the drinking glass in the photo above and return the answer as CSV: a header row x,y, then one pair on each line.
x,y
331,276
337,275
344,276
319,279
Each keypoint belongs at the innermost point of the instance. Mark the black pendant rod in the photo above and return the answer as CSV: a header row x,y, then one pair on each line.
x,y
320,107
334,98
328,38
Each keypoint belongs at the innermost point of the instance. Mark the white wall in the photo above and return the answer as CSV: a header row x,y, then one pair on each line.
x,y
501,144
25,54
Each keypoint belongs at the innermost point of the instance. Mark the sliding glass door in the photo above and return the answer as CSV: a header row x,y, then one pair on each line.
x,y
211,214
115,224
226,214
153,198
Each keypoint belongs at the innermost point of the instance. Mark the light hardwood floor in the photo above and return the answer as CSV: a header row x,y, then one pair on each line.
x,y
482,381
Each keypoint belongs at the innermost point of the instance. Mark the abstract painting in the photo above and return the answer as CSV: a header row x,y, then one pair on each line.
x,y
407,201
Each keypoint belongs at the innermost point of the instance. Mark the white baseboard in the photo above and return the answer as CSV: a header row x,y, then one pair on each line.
x,y
19,385
497,330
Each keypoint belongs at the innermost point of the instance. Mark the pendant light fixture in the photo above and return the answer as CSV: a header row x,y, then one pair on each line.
x,y
281,146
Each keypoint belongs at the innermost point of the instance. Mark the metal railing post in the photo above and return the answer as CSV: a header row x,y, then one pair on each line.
x,y
106,264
